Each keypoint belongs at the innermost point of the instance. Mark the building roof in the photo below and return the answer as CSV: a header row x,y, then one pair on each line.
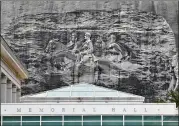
x,y
83,90
8,57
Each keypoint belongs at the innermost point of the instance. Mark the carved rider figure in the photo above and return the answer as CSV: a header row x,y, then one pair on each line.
x,y
73,41
86,49
113,50
83,52
175,69
49,50
174,82
99,46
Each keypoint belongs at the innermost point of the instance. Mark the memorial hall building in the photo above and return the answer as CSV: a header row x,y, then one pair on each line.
x,y
81,104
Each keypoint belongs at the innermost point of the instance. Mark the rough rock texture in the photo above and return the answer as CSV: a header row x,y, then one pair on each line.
x,y
14,9
147,35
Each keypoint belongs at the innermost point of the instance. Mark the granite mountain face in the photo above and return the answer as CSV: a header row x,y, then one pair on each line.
x,y
138,62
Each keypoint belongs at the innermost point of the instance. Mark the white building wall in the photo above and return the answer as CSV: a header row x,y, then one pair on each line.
x,y
88,109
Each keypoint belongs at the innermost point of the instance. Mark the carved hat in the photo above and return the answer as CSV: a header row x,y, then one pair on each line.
x,y
113,33
74,32
88,34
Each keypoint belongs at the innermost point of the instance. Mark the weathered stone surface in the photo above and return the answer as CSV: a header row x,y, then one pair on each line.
x,y
147,36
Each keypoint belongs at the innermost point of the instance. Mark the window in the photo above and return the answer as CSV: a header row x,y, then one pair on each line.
x,y
112,118
170,118
72,118
133,118
30,118
51,124
30,123
133,124
91,118
51,118
112,124
51,121
72,123
92,123
11,118
11,123
152,118
170,123
152,123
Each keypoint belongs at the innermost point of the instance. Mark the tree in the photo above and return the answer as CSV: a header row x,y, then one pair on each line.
x,y
173,96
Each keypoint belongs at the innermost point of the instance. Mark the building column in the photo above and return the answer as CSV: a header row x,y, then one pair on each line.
x,y
9,92
3,88
14,93
18,95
